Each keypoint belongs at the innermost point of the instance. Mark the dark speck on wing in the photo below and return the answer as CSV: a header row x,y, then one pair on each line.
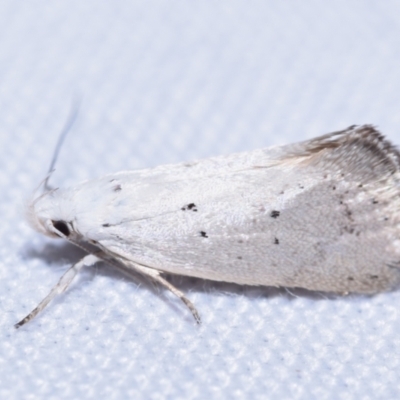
x,y
275,213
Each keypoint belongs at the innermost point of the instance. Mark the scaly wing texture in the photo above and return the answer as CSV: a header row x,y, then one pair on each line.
x,y
321,214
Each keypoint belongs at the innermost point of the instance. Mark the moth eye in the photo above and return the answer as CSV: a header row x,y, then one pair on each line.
x,y
62,227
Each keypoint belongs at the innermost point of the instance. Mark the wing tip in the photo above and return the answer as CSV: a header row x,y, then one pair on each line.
x,y
359,143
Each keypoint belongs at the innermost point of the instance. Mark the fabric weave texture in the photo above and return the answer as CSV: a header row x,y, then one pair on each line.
x,y
163,82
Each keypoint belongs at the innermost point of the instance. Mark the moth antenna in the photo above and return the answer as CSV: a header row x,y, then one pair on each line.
x,y
64,132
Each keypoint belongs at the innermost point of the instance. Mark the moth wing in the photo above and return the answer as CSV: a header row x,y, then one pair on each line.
x,y
321,214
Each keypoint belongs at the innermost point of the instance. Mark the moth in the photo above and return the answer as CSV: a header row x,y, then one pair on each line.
x,y
322,214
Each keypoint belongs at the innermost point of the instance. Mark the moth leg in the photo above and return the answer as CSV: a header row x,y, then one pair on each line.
x,y
181,295
155,275
60,287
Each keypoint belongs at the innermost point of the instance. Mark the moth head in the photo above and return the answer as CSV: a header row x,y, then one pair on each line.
x,y
48,215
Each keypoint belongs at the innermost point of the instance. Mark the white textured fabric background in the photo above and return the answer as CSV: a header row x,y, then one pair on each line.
x,y
168,81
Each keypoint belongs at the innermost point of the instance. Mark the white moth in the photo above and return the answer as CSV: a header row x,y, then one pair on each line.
x,y
322,214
